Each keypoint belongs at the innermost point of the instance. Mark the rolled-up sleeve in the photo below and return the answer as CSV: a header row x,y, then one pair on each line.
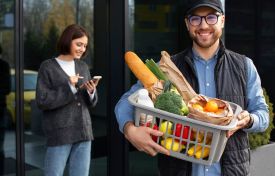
x,y
257,106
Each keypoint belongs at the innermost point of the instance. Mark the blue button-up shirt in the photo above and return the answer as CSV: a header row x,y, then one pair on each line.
x,y
256,102
205,72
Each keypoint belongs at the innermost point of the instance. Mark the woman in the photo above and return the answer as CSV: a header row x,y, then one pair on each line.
x,y
64,93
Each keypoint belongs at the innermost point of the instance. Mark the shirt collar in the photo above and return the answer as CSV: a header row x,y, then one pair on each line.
x,y
197,57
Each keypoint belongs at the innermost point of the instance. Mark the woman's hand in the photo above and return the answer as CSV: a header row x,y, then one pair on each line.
x,y
90,86
74,79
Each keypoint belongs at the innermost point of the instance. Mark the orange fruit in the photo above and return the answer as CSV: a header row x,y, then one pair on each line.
x,y
211,106
197,107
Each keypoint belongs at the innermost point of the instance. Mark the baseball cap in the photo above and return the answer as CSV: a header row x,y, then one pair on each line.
x,y
214,4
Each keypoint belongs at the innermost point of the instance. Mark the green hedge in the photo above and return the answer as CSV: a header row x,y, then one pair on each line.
x,y
258,139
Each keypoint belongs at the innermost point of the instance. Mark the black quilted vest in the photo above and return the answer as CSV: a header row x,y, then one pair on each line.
x,y
230,76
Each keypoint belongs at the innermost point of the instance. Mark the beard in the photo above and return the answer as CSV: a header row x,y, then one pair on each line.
x,y
206,43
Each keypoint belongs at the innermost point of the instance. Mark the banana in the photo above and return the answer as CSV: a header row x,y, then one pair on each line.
x,y
205,154
198,154
191,150
199,137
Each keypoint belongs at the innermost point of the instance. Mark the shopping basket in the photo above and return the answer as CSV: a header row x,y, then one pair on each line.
x,y
187,139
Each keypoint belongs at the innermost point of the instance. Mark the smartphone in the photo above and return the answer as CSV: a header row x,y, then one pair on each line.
x,y
96,79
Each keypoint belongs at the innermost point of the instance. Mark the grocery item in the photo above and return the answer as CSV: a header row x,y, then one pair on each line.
x,y
136,65
211,110
143,73
176,77
144,99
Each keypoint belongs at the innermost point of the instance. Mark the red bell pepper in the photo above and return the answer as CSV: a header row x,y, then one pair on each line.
x,y
155,138
155,127
185,132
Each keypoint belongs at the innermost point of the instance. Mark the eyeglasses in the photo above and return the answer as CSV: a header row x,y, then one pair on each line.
x,y
210,19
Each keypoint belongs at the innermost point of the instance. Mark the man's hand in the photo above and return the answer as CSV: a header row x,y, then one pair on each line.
x,y
243,120
141,138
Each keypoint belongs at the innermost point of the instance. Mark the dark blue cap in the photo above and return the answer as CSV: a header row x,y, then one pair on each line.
x,y
194,4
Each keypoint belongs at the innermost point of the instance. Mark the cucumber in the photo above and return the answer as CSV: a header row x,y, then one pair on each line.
x,y
155,69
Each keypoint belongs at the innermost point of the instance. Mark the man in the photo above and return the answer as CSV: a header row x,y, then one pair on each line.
x,y
214,71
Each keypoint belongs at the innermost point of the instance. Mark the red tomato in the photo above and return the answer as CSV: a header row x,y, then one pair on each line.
x,y
178,129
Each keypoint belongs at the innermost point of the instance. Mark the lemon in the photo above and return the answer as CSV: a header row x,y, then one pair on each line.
x,y
168,145
166,127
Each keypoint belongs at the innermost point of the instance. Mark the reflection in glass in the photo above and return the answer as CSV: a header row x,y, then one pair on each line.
x,y
4,90
7,130
30,78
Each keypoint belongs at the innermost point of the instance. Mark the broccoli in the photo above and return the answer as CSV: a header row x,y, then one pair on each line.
x,y
171,102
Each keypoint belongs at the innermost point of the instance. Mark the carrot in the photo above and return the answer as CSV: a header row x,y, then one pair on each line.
x,y
147,78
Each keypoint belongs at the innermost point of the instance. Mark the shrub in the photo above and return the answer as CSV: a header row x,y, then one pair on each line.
x,y
258,139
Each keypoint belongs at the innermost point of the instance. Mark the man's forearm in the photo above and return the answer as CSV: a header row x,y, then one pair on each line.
x,y
126,128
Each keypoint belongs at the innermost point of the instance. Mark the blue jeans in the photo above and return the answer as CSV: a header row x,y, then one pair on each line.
x,y
77,155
